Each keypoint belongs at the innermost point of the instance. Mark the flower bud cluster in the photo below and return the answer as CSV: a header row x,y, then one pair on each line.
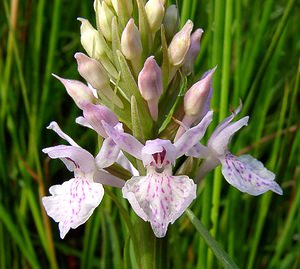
x,y
123,61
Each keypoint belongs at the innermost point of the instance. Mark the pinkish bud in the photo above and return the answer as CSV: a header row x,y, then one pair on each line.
x,y
180,44
150,85
131,45
95,74
196,101
192,53
79,92
197,96
95,114
92,71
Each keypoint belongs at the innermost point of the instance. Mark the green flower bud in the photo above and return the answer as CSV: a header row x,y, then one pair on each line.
x,y
90,39
155,12
104,15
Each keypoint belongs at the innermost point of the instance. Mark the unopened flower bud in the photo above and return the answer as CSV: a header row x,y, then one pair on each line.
x,y
79,92
104,15
150,85
90,39
92,71
131,44
192,53
196,102
197,96
95,74
180,44
171,21
155,12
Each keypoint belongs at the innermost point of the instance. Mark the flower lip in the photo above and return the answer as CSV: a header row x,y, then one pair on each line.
x,y
158,152
159,158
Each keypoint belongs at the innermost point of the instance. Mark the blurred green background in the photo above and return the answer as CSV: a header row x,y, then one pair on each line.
x,y
256,46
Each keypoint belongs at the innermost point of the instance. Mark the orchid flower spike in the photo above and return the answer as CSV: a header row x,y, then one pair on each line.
x,y
159,197
244,172
73,202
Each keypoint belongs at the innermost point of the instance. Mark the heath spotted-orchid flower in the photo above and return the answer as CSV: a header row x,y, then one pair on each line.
x,y
244,172
73,202
159,197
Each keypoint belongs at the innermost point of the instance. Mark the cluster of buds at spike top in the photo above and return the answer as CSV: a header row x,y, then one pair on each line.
x,y
135,79
119,48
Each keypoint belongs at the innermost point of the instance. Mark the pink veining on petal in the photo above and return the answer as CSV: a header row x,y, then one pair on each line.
x,y
73,202
159,198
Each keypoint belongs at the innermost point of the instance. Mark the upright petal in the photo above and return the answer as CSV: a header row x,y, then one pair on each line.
x,y
219,143
108,153
75,158
159,198
54,126
248,175
226,121
192,136
125,141
72,203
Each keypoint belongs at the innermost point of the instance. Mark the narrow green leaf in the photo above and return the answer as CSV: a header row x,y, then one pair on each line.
x,y
116,43
115,245
127,76
219,252
144,28
137,129
165,67
16,236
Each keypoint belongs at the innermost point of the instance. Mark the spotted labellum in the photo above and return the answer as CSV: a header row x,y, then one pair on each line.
x,y
149,116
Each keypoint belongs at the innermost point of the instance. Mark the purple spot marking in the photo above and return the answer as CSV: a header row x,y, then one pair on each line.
x,y
111,143
163,208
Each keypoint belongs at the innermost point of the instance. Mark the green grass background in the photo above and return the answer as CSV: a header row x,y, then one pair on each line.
x,y
256,46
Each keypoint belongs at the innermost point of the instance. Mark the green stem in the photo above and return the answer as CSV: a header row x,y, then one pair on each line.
x,y
223,111
147,245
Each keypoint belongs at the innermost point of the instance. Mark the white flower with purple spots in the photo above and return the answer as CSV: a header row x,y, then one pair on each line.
x,y
159,197
244,172
73,202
